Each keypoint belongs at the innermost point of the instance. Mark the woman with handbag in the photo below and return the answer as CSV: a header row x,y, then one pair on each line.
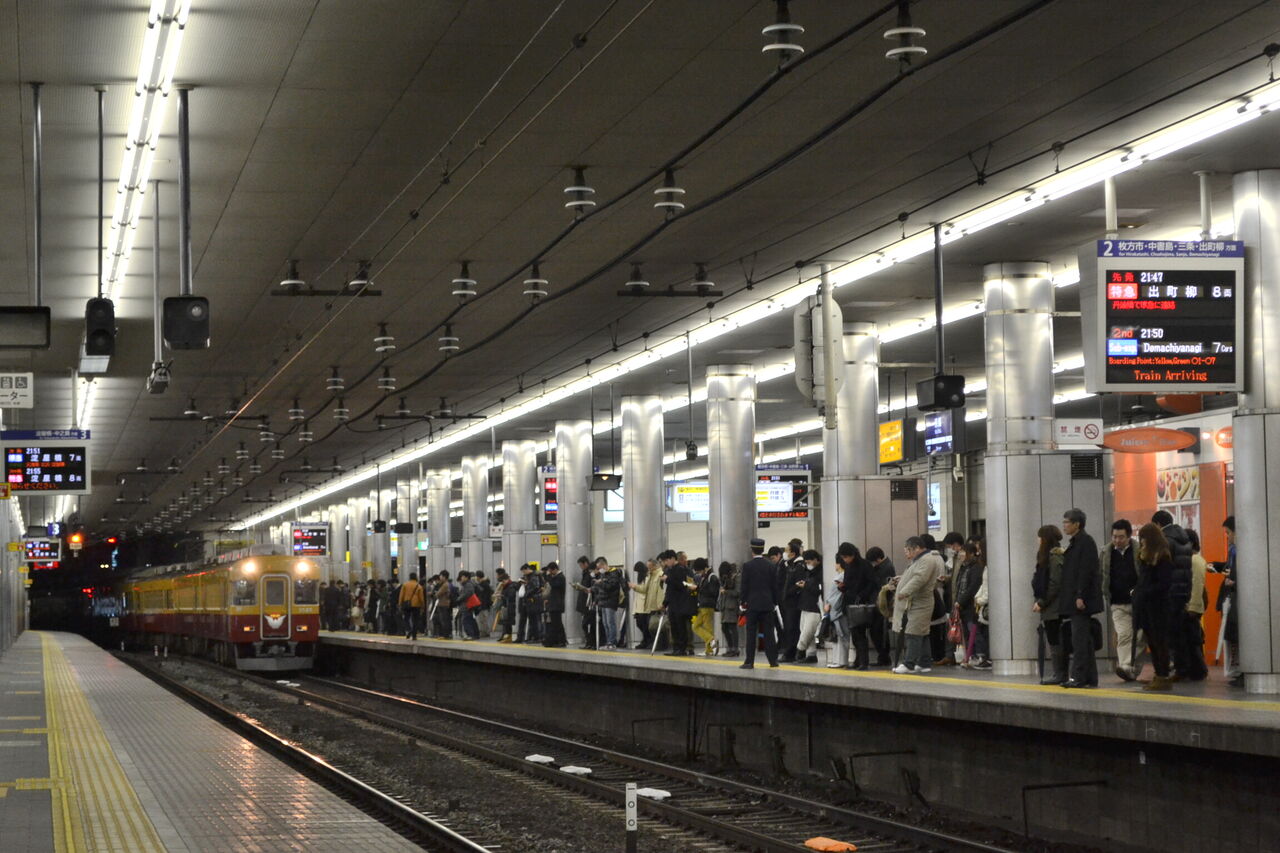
x,y
860,591
968,580
833,612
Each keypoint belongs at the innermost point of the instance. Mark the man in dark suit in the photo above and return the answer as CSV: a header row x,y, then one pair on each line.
x,y
680,603
759,593
1080,598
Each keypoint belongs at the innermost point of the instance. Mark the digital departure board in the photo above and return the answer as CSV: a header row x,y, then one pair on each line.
x,y
310,540
791,500
41,550
47,467
1165,317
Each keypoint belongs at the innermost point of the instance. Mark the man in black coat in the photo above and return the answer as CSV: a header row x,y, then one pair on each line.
x,y
553,636
679,603
1080,598
759,593
884,571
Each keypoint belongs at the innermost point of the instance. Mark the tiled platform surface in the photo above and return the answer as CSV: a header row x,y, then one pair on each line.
x,y
94,757
1208,715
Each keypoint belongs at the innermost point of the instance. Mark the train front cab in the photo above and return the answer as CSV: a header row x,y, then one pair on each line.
x,y
275,613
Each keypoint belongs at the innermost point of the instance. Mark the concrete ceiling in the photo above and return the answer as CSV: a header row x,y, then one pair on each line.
x,y
316,126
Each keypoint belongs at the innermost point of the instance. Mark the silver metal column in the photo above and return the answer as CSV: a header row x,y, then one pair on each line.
x,y
519,472
406,543
1019,336
1257,431
850,451
574,443
644,505
439,490
731,430
357,517
475,511
379,544
336,565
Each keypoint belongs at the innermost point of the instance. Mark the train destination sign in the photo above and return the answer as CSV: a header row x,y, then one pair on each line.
x,y
310,540
1164,317
61,467
41,550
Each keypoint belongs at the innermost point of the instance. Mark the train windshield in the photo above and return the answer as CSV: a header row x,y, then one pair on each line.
x,y
275,592
244,592
306,592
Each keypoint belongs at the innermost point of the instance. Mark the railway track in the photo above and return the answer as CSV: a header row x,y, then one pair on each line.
x,y
420,828
733,813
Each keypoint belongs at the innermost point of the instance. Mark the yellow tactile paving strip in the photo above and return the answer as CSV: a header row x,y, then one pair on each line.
x,y
95,808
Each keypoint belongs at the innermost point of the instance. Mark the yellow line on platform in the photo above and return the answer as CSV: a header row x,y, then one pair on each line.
x,y
857,675
68,832
109,807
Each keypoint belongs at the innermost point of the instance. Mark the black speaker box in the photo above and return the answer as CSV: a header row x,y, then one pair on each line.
x,y
186,322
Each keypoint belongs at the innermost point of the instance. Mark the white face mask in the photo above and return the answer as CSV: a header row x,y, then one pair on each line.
x,y
810,566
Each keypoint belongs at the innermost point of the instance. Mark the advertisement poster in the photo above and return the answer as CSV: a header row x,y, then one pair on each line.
x,y
1178,492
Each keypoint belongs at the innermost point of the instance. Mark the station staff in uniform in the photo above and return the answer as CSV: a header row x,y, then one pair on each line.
x,y
759,593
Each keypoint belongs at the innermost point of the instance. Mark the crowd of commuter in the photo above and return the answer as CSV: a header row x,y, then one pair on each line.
x,y
932,613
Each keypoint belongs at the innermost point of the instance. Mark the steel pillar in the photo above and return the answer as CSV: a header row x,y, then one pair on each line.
x,y
850,452
731,429
379,544
1257,431
519,475
439,489
475,511
1019,357
357,518
644,503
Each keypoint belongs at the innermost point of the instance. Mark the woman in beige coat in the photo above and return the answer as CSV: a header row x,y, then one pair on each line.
x,y
648,592
913,605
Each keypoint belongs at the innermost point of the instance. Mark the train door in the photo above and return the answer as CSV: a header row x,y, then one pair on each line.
x,y
276,607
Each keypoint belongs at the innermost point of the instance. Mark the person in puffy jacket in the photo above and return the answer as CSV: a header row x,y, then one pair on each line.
x,y
810,609
1181,648
1152,610
860,586
968,580
607,592
708,594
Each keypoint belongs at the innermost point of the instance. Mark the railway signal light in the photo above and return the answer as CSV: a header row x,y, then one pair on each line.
x,y
76,541
100,327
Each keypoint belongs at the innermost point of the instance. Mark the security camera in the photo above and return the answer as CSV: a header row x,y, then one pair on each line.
x,y
158,381
691,450
957,473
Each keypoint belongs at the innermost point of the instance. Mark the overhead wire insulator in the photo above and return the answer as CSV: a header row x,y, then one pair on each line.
x,y
580,192
449,342
783,33
636,281
335,382
384,342
535,286
386,382
464,286
906,33
669,194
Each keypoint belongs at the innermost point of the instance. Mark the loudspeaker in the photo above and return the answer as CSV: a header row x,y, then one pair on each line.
x,y
99,327
941,392
186,322
402,528
378,526
605,482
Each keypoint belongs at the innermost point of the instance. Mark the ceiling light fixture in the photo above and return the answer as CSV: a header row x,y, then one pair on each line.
x,y
464,286
669,193
782,31
383,343
161,46
535,286
579,201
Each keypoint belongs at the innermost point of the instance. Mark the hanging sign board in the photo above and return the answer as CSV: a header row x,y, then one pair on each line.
x,y
17,390
1163,317
550,500
782,492
310,539
894,440
61,467
1148,440
41,550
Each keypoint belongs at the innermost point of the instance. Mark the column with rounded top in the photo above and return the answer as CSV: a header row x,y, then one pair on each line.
x,y
379,544
574,449
1019,355
475,511
519,471
644,502
1256,430
439,490
335,566
406,511
731,430
850,452
357,518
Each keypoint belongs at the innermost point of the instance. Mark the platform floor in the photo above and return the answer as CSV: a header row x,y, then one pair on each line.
x,y
95,757
1210,714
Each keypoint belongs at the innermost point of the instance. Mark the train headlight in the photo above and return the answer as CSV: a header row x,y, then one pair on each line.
x,y
302,567
248,567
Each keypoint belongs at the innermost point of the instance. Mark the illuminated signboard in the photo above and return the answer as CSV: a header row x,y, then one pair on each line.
x,y
894,440
47,467
550,500
613,504
1165,317
310,540
775,497
41,550
940,433
777,504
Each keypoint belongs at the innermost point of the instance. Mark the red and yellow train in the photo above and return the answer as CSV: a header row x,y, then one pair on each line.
x,y
253,611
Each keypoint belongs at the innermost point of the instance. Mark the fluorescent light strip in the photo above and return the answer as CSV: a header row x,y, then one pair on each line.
x,y
1091,172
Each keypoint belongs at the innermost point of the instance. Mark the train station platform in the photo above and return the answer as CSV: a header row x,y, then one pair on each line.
x,y
1208,714
94,757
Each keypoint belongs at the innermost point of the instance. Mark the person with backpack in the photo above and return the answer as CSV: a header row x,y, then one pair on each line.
x,y
412,599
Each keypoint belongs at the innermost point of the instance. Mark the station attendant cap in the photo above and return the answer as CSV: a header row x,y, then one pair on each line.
x,y
757,543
